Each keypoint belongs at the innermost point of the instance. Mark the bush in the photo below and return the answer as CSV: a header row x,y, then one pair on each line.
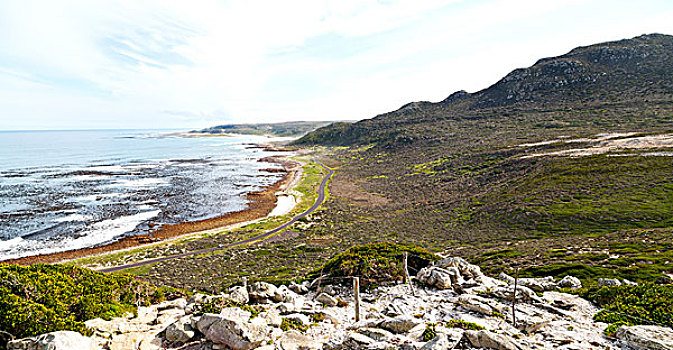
x,y
632,305
46,298
376,262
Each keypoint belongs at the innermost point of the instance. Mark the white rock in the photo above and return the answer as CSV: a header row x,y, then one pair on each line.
x,y
490,340
441,342
262,292
646,337
570,282
232,332
239,294
610,282
236,313
326,299
376,333
400,324
61,340
301,318
293,340
181,330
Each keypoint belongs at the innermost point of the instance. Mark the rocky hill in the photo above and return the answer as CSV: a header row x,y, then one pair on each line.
x,y
619,75
561,167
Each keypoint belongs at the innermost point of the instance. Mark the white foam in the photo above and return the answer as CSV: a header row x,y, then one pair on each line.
x,y
91,177
74,217
144,182
107,168
100,232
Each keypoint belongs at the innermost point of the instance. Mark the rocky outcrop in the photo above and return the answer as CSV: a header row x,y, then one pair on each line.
x,y
456,307
63,340
232,331
646,337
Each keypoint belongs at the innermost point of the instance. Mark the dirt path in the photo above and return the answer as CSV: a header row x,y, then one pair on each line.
x,y
264,236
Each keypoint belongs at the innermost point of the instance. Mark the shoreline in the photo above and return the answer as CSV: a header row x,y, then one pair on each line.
x,y
260,205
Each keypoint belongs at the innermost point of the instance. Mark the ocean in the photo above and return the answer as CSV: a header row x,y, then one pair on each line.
x,y
66,190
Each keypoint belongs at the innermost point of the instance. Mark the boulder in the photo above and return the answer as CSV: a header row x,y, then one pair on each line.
x,y
272,317
181,330
285,295
400,324
299,288
232,332
293,340
490,340
61,340
646,337
262,292
628,283
236,313
536,284
376,333
570,282
442,342
326,299
239,295
480,304
147,314
439,277
608,282
300,318
466,269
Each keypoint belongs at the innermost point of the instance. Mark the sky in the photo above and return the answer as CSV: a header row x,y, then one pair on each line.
x,y
82,64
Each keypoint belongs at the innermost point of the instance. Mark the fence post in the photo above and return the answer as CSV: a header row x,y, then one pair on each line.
x,y
516,280
407,278
356,292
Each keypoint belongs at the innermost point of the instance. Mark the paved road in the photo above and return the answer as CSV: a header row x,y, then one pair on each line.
x,y
319,201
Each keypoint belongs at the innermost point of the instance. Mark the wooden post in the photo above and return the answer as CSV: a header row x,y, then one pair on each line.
x,y
356,292
516,280
245,282
407,278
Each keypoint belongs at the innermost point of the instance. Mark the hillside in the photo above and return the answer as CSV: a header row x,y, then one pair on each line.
x,y
589,88
567,163
285,129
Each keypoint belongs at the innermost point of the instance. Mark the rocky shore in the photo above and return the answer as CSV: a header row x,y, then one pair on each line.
x,y
260,204
452,305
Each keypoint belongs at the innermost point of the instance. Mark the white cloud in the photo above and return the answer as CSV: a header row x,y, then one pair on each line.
x,y
82,64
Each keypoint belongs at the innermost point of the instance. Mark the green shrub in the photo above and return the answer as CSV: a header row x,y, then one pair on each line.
x,y
376,262
288,324
43,298
429,333
215,305
646,303
468,326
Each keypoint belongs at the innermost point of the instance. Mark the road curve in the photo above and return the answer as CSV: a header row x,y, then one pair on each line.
x,y
318,202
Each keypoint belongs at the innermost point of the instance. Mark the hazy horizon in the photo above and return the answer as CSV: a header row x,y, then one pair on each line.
x,y
78,65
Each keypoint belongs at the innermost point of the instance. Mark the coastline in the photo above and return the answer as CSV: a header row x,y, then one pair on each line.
x,y
260,205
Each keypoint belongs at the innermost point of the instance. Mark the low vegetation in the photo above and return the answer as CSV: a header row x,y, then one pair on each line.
x,y
376,262
647,304
45,298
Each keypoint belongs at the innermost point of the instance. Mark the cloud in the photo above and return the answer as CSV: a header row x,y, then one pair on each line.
x,y
135,64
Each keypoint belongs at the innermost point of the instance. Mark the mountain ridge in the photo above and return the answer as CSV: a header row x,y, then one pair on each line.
x,y
623,71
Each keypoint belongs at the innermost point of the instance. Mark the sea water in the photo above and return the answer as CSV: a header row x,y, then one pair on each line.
x,y
66,190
